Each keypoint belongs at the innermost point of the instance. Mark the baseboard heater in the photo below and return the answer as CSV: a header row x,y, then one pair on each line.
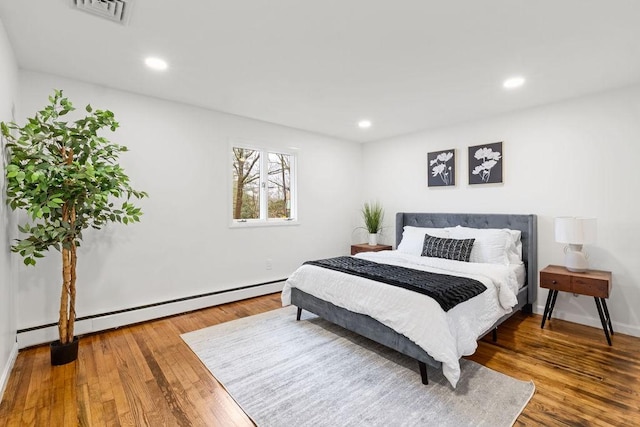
x,y
99,322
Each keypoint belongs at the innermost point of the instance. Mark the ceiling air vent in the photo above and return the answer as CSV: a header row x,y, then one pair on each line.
x,y
113,10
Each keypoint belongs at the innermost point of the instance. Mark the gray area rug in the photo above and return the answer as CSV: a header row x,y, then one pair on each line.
x,y
313,373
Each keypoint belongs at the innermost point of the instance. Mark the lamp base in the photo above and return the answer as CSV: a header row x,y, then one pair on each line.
x,y
575,260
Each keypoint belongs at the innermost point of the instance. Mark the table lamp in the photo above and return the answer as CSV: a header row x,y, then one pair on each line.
x,y
575,232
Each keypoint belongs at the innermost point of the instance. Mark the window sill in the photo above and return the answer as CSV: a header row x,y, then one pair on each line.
x,y
271,223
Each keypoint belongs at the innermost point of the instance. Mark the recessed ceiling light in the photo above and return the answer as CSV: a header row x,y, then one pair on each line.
x,y
364,124
156,63
513,82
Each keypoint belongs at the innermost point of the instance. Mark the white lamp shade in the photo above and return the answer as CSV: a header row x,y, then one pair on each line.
x,y
572,230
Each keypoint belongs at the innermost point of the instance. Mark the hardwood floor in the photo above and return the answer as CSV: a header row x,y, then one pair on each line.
x,y
145,375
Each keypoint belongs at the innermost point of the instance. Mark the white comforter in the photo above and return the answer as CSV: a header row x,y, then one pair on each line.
x,y
445,336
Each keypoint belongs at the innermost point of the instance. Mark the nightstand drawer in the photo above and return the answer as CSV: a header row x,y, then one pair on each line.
x,y
559,282
592,287
363,247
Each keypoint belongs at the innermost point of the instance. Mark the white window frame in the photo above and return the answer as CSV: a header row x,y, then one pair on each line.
x,y
264,220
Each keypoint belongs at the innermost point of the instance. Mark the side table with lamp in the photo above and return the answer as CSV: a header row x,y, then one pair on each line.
x,y
575,276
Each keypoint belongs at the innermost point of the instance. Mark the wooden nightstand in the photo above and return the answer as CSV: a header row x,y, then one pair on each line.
x,y
363,247
594,283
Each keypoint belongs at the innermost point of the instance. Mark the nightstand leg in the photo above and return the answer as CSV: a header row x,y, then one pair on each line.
x,y
553,302
546,308
602,319
606,313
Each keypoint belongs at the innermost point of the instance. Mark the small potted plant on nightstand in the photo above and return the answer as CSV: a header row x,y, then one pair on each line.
x,y
373,214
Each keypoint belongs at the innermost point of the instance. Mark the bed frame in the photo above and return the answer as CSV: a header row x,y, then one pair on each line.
x,y
376,331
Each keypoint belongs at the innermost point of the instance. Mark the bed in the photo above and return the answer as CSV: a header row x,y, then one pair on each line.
x,y
355,313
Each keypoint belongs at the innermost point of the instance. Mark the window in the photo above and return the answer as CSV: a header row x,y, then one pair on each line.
x,y
263,187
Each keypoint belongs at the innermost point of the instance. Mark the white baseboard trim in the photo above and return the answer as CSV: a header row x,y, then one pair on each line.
x,y
110,321
6,372
592,321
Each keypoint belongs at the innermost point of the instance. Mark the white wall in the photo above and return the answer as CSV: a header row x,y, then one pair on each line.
x,y
576,158
183,246
8,269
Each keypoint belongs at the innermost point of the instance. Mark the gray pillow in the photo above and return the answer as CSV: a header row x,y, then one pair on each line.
x,y
454,249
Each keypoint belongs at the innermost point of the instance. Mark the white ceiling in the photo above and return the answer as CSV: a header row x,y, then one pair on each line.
x,y
407,65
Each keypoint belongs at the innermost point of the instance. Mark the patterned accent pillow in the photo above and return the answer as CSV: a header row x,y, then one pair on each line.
x,y
454,249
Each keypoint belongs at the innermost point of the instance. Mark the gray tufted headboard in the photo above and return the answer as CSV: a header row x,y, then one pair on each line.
x,y
527,224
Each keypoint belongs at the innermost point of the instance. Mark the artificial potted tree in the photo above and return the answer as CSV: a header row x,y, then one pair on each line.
x,y
66,177
372,214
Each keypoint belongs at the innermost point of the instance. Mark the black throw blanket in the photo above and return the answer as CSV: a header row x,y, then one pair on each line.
x,y
446,290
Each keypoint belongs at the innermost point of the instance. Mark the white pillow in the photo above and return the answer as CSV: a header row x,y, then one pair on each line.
x,y
492,245
413,238
516,235
515,251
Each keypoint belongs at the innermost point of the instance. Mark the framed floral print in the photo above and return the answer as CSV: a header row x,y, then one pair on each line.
x,y
441,168
485,163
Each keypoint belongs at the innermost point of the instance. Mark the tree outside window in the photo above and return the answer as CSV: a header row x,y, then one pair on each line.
x,y
262,185
279,185
246,183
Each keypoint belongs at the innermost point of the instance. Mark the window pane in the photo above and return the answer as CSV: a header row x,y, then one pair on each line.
x,y
246,183
279,201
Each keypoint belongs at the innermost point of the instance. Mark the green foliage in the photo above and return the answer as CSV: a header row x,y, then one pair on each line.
x,y
373,214
56,166
278,208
